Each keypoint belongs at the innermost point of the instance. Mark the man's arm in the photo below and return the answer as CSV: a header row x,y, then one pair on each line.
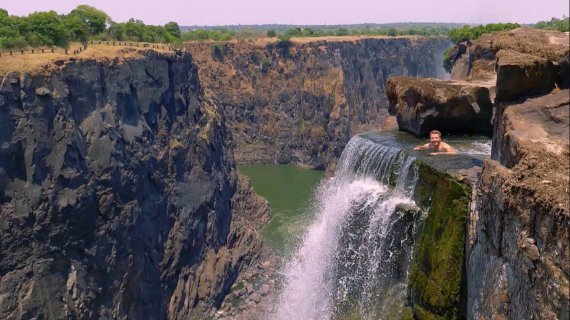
x,y
425,146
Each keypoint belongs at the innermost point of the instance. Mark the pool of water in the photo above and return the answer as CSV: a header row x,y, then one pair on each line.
x,y
289,190
472,149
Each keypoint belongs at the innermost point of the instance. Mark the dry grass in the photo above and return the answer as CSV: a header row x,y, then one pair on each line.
x,y
40,62
262,42
345,38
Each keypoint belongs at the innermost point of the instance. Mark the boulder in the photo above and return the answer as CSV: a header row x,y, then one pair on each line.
x,y
538,125
422,105
520,74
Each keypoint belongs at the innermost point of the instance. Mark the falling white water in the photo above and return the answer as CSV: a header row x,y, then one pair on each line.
x,y
343,253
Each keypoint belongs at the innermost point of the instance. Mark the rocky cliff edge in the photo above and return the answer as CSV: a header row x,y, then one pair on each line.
x,y
120,197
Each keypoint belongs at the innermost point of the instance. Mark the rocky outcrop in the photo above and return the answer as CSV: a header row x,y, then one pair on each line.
x,y
521,74
519,63
517,248
479,60
422,105
120,197
518,262
518,268
300,102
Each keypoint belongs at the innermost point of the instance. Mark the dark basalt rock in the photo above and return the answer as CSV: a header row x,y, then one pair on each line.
x,y
119,195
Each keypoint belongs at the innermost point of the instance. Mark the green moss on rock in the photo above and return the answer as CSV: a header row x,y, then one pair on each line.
x,y
436,277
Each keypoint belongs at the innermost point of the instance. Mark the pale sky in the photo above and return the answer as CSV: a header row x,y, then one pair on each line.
x,y
223,12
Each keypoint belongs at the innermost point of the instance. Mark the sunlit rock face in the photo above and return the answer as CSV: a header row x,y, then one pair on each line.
x,y
421,105
300,103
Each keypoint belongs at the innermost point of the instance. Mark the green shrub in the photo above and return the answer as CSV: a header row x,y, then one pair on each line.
x,y
472,33
562,25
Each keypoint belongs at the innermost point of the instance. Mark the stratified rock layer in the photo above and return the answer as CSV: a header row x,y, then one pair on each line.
x,y
518,267
521,74
119,196
422,105
300,103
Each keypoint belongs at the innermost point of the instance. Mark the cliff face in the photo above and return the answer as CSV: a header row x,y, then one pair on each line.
x,y
519,268
119,192
301,102
517,251
518,262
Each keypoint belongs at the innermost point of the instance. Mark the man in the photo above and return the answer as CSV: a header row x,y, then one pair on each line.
x,y
436,145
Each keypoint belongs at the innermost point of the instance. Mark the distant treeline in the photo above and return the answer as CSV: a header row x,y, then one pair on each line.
x,y
562,25
86,23
82,24
474,32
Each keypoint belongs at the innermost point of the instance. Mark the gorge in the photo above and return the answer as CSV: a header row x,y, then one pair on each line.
x,y
121,197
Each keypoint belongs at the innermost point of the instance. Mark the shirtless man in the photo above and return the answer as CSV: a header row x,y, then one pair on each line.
x,y
436,145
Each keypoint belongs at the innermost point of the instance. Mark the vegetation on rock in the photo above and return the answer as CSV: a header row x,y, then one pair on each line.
x,y
562,25
436,276
472,33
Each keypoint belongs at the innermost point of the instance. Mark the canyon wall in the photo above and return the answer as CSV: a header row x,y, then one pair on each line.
x,y
300,102
517,245
120,197
518,264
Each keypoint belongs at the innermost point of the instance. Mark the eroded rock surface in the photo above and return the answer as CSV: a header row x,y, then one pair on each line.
x,y
300,103
518,267
478,63
422,105
521,74
120,197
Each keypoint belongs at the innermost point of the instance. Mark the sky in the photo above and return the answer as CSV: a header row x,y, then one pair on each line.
x,y
306,12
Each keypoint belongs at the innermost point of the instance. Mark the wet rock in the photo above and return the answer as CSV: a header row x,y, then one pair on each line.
x,y
422,105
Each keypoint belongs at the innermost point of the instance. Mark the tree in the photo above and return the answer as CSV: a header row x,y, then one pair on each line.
x,y
10,36
45,28
173,29
75,27
562,25
95,19
271,33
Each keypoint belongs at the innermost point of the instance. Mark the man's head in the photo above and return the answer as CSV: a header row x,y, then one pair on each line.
x,y
435,138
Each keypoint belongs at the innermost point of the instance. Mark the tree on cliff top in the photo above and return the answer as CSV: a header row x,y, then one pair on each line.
x,y
95,20
562,25
472,33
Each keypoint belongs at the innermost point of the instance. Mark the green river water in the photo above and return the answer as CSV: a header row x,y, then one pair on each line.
x,y
289,190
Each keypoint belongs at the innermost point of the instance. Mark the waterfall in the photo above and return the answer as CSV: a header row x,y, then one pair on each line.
x,y
353,259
